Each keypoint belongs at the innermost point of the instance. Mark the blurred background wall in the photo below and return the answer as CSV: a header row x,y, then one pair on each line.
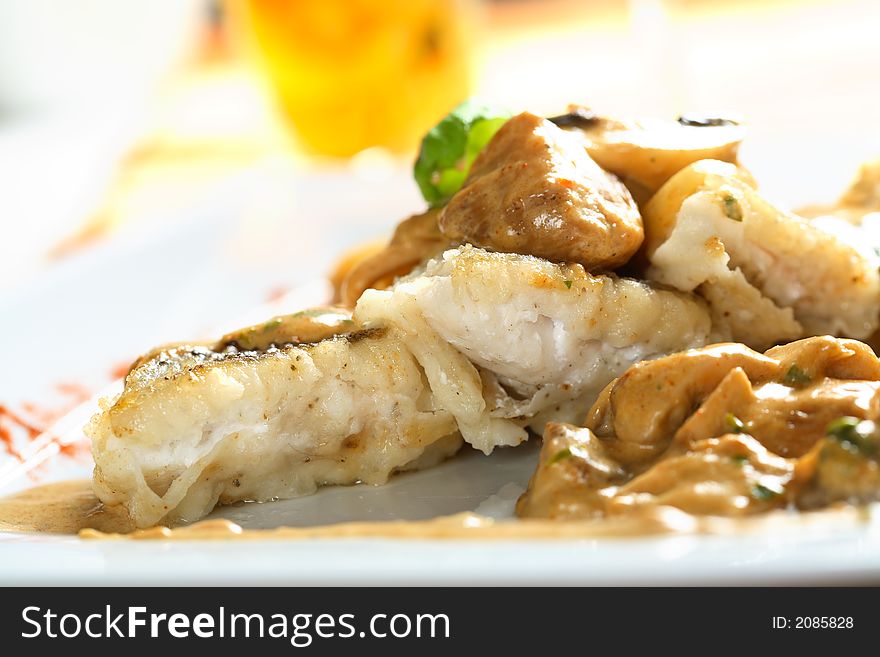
x,y
116,111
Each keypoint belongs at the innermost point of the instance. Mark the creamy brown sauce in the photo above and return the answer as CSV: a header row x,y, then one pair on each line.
x,y
65,507
71,508
720,431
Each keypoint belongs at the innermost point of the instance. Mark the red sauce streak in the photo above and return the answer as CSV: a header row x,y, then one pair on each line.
x,y
120,370
275,294
10,421
34,421
79,392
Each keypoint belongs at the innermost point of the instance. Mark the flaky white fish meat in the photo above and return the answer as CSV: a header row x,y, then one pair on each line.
x,y
534,334
768,275
476,346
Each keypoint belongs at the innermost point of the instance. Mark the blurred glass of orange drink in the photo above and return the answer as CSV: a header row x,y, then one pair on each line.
x,y
352,74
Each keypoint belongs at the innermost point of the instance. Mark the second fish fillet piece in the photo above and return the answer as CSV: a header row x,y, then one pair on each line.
x,y
768,275
525,339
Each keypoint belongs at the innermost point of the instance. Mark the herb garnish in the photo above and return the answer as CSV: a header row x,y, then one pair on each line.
x,y
854,434
764,494
796,376
732,208
561,455
733,424
450,147
272,324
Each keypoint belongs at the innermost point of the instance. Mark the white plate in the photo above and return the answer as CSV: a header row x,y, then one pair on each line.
x,y
472,482
79,319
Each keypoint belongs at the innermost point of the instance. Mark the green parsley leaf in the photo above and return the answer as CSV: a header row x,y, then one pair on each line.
x,y
450,148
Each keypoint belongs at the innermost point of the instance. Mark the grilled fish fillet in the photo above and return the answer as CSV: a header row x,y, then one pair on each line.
x,y
195,427
477,346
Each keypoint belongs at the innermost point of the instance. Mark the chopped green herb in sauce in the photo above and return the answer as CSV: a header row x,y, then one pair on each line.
x,y
567,284
796,377
561,455
764,494
854,434
272,324
733,424
732,207
740,460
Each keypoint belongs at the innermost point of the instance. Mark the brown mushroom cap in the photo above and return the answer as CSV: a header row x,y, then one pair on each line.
x,y
645,154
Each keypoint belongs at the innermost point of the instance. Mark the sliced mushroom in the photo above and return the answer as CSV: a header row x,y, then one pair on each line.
x,y
642,410
732,475
572,470
785,398
305,327
721,430
645,154
415,240
844,467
